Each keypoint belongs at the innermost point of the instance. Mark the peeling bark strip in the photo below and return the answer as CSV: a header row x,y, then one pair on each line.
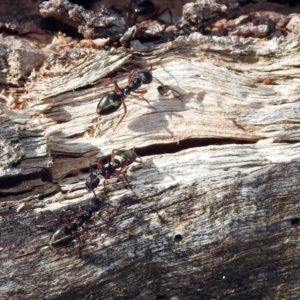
x,y
216,211
89,24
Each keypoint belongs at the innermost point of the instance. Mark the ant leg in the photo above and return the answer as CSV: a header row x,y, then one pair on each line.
x,y
136,160
79,239
94,193
103,219
128,162
70,213
114,82
110,81
125,112
180,96
93,190
170,13
139,92
85,229
126,179
140,162
114,207
104,191
104,187
90,221
153,15
141,97
59,220
131,74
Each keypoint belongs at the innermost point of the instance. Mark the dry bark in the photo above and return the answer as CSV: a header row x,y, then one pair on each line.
x,y
216,210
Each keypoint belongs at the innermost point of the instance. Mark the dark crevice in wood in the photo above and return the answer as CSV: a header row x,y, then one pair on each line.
x,y
157,149
8,185
161,297
12,181
295,221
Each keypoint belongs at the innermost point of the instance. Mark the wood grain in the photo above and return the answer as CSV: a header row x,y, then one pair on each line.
x,y
219,219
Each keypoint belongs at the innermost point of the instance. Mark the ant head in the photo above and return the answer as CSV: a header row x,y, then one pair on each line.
x,y
145,76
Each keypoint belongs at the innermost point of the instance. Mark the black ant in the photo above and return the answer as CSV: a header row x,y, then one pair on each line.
x,y
146,10
65,234
112,101
120,159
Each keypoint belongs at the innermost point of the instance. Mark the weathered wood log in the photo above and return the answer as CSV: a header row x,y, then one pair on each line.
x,y
215,220
215,214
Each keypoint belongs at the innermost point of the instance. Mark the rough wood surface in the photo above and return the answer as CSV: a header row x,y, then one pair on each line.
x,y
215,219
216,210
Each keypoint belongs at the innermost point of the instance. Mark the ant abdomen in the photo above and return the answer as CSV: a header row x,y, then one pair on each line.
x,y
144,8
109,103
123,158
63,236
